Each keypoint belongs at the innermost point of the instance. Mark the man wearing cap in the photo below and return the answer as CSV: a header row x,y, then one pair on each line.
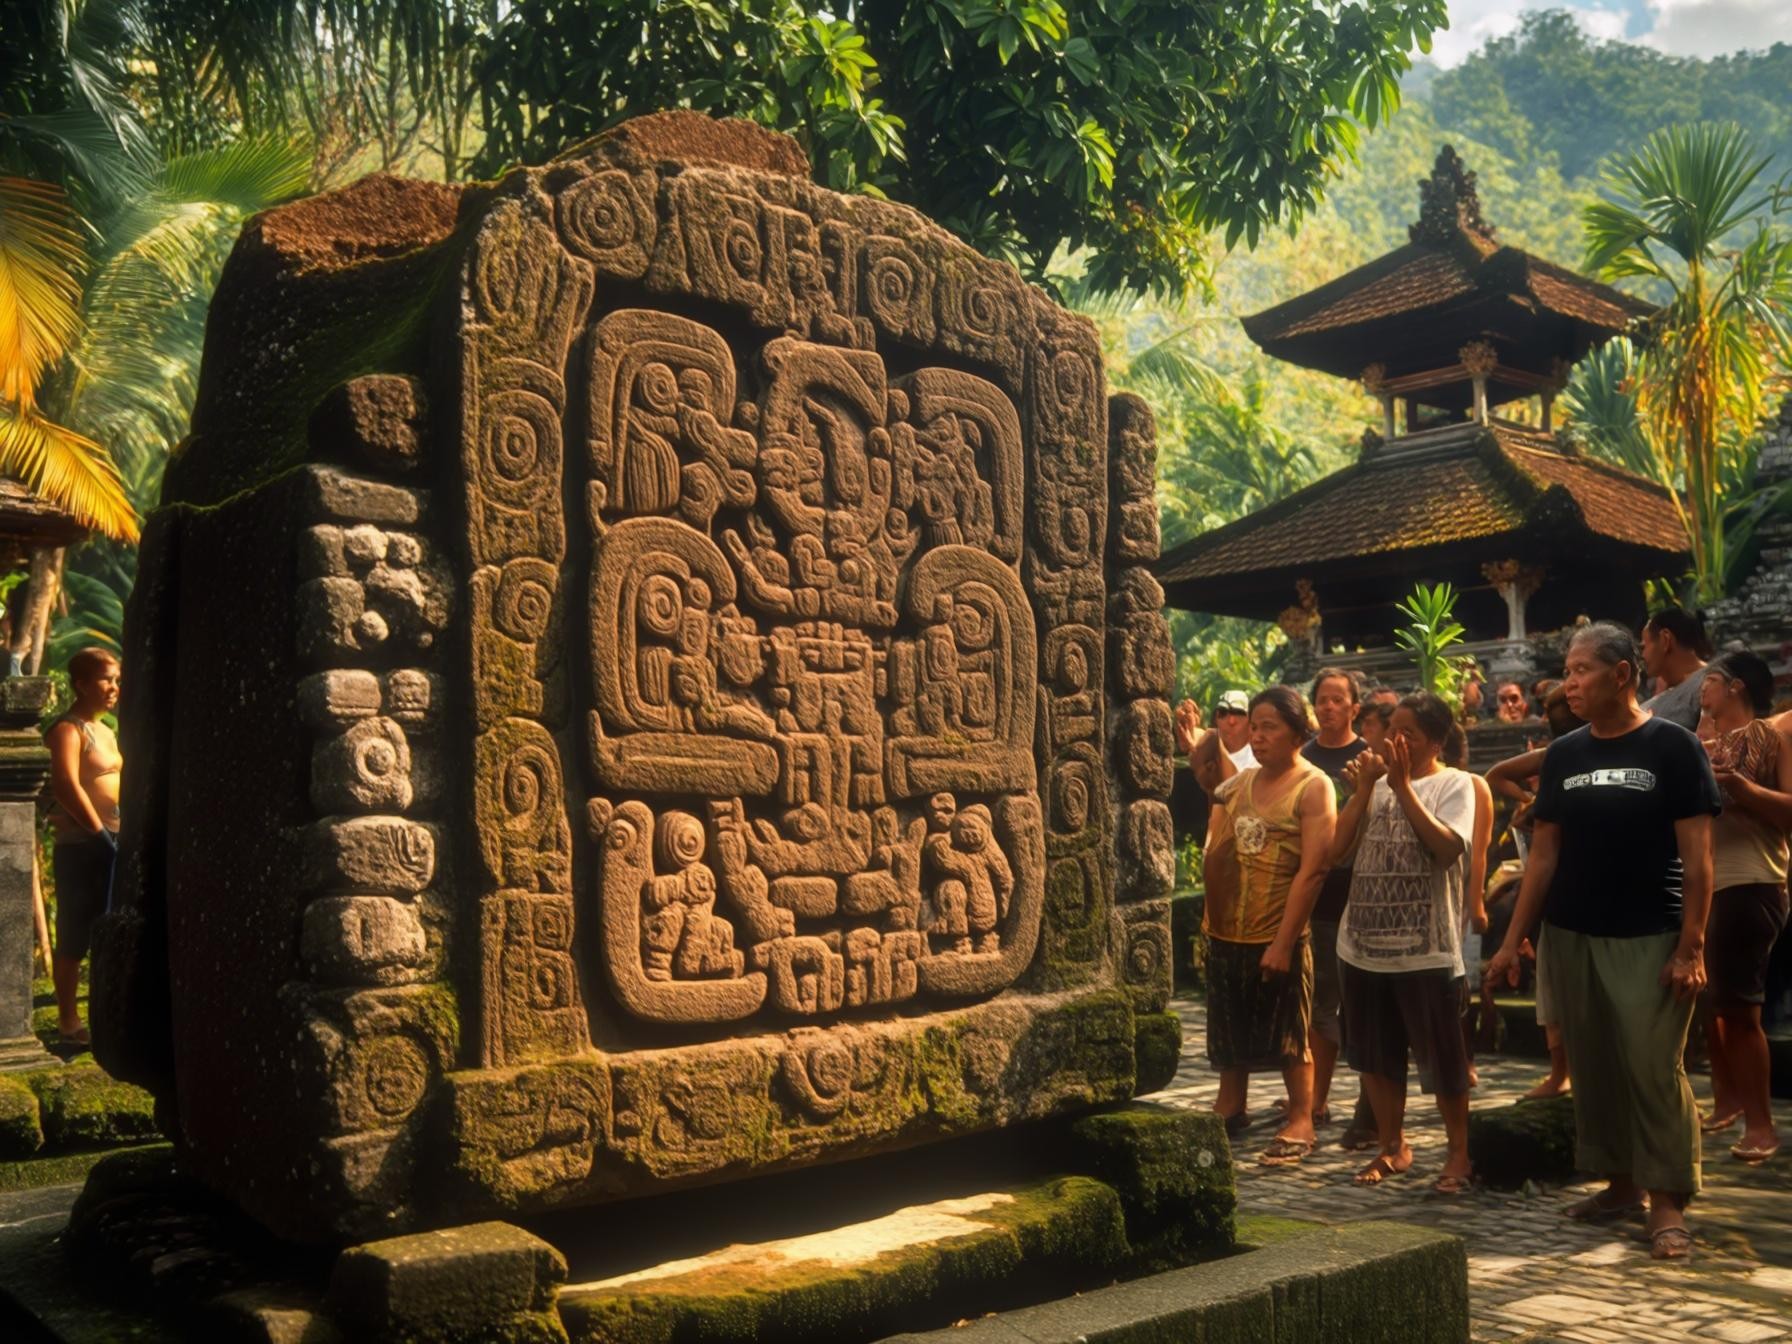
x,y
1232,717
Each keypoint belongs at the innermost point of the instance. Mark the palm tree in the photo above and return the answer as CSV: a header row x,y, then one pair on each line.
x,y
1686,213
110,245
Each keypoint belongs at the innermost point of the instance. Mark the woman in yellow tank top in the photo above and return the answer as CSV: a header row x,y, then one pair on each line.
x,y
1266,859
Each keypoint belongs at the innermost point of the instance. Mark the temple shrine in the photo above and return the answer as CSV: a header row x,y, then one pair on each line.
x,y
1447,331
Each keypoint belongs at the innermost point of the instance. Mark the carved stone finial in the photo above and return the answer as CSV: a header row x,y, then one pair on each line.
x,y
1448,203
1479,358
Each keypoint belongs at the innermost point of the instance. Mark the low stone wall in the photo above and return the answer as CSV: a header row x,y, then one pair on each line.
x,y
1340,1285
68,1107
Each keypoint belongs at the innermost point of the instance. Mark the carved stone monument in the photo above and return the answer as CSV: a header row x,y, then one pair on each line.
x,y
645,673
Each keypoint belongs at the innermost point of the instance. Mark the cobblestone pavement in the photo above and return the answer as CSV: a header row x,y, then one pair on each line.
x,y
1534,1275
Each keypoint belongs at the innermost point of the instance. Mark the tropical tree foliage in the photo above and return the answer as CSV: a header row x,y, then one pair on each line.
x,y
116,212
1135,129
1688,212
1430,632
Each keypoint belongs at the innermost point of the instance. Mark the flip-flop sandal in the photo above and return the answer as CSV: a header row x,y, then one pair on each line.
x,y
82,1039
1670,1243
1717,1124
1284,1152
1593,1209
1752,1156
1453,1185
1383,1171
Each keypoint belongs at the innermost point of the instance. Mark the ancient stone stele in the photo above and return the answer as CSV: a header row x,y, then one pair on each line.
x,y
645,673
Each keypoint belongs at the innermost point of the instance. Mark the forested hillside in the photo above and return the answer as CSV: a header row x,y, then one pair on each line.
x,y
1534,115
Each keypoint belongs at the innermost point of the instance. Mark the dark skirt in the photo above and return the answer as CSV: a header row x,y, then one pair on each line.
x,y
1255,1023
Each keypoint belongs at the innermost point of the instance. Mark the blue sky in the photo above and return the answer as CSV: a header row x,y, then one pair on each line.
x,y
1681,27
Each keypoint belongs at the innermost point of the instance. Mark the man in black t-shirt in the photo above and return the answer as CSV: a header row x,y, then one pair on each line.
x,y
1620,863
1335,704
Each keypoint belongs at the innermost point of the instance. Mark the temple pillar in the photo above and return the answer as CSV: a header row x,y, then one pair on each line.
x,y
1373,377
1515,582
24,765
1479,360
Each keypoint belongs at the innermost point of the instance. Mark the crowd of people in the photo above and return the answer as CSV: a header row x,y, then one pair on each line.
x,y
1639,877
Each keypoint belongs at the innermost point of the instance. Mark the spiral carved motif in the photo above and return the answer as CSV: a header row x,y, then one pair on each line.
x,y
524,607
607,219
521,450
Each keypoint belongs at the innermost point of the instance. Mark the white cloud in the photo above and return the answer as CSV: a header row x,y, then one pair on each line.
x,y
1716,27
1473,22
1679,27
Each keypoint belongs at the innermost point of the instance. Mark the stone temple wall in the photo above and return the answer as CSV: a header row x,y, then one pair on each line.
x,y
644,673
1759,614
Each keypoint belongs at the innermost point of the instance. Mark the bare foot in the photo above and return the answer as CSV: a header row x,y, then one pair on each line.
x,y
1720,1119
1474,1076
1551,1086
1384,1165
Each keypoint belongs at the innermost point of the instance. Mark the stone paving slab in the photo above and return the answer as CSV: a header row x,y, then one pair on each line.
x,y
1535,1276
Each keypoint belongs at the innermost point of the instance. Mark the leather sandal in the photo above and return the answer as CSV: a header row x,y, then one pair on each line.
x,y
1670,1243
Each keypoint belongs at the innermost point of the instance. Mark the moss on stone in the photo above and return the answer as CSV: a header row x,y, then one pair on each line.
x,y
1053,1237
1157,1046
1528,1140
21,1131
32,1173
1257,1230
1173,1172
83,1107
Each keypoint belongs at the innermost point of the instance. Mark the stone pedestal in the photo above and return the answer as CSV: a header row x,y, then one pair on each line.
x,y
24,764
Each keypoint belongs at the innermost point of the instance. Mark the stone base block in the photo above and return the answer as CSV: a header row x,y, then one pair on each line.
x,y
912,1240
484,1283
1526,1141
922,1264
1173,1172
1344,1285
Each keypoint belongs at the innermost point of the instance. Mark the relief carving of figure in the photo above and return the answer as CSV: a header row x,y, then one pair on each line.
x,y
971,879
682,937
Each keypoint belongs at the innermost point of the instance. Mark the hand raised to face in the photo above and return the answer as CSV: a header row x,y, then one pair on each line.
x,y
1399,761
1188,726
1361,772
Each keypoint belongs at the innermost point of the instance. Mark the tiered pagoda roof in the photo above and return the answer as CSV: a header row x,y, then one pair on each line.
x,y
1436,504
1402,317
1454,321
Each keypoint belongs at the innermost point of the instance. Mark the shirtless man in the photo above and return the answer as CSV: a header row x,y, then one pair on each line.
x,y
84,770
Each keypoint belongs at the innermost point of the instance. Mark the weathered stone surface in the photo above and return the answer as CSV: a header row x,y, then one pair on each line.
x,y
456,1286
82,1107
375,421
729,635
1173,1171
21,1131
363,940
383,854
1142,952
269,1316
1525,1141
1364,1282
923,1264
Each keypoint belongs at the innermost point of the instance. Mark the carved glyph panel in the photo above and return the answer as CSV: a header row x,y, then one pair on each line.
x,y
814,668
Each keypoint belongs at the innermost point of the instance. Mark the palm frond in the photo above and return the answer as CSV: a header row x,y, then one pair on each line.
x,y
67,468
246,175
42,260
